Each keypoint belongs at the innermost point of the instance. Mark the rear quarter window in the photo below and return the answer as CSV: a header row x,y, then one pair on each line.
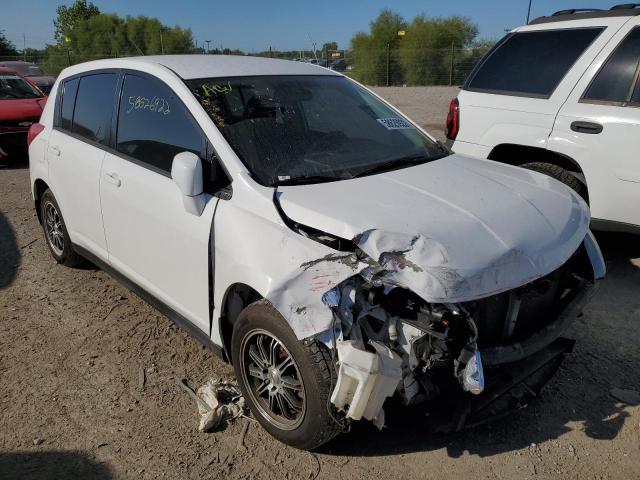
x,y
531,64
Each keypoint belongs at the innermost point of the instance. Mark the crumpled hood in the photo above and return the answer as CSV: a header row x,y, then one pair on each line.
x,y
453,230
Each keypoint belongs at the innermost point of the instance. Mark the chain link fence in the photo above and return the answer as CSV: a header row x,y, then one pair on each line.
x,y
448,66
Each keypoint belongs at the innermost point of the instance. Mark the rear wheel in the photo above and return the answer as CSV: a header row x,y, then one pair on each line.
x,y
55,232
286,384
559,174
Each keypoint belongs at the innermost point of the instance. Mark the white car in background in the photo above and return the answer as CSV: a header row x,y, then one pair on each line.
x,y
301,227
562,96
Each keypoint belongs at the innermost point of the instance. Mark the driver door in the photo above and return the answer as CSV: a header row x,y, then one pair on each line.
x,y
151,238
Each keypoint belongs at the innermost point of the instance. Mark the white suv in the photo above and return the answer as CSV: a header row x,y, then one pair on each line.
x,y
561,96
297,224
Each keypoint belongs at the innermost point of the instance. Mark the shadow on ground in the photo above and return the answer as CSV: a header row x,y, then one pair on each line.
x,y
606,356
9,252
52,465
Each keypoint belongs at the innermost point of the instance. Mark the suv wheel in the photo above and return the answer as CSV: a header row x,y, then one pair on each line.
x,y
561,175
55,232
286,384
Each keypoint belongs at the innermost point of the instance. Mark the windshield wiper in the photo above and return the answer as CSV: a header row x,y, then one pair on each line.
x,y
395,164
306,179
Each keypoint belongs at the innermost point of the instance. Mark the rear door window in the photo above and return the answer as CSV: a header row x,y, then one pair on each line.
x,y
69,90
615,82
94,107
154,125
531,64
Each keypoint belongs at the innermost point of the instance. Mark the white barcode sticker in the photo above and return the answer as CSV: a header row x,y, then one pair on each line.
x,y
394,123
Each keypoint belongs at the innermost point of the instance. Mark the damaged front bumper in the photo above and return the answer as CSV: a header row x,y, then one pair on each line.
x,y
485,357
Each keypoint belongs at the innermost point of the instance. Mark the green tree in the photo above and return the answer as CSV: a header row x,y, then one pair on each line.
x,y
69,17
430,46
7,48
374,54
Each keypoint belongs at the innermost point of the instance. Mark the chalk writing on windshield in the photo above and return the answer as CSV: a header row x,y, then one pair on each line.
x,y
155,104
209,90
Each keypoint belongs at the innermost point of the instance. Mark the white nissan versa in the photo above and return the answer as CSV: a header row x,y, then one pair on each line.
x,y
298,224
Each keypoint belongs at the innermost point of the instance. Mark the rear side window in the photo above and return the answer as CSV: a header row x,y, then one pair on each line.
x,y
154,125
616,80
531,64
94,107
69,90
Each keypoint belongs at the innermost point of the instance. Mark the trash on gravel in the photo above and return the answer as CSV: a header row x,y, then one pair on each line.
x,y
630,397
218,402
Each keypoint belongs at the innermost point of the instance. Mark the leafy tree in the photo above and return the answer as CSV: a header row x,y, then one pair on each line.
x,y
431,45
6,46
69,17
373,51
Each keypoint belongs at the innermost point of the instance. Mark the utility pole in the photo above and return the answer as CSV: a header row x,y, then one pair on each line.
x,y
451,69
161,42
270,52
24,47
208,42
388,60
529,12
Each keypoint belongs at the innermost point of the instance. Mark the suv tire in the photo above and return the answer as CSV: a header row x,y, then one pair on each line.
x,y
286,384
559,174
55,232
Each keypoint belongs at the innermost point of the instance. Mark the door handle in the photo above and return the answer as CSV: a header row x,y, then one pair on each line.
x,y
113,179
587,127
54,151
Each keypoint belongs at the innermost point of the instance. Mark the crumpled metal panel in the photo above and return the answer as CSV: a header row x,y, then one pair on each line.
x,y
453,230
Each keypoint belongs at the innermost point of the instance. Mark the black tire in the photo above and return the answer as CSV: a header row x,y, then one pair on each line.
x,y
59,242
559,174
316,424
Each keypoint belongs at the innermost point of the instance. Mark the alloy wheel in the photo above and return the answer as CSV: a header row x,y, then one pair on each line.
x,y
273,379
53,228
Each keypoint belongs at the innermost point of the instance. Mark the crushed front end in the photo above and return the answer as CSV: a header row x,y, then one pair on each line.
x,y
484,357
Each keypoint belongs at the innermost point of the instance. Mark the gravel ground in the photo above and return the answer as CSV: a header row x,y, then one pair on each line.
x,y
73,343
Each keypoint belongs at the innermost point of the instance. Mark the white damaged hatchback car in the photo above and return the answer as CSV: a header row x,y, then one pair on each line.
x,y
310,233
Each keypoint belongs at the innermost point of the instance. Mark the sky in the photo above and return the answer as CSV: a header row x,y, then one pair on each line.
x,y
256,25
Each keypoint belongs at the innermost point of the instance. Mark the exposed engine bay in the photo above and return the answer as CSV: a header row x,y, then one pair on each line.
x,y
387,340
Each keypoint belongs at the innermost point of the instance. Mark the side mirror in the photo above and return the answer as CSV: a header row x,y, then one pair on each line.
x,y
186,172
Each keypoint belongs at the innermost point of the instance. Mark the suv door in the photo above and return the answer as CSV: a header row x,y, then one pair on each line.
x,y
82,129
151,239
599,127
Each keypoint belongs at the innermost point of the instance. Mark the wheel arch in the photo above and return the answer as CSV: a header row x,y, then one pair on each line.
x,y
516,155
237,296
39,187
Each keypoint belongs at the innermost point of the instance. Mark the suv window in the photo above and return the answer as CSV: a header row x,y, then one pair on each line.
x,y
531,64
69,90
615,80
94,107
154,125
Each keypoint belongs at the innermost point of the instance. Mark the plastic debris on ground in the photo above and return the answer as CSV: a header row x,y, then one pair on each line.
x,y
218,403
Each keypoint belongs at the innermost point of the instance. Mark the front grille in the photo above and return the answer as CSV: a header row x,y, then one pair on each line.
x,y
537,304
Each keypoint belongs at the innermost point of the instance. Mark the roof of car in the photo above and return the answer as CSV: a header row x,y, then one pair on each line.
x,y
7,70
623,10
203,66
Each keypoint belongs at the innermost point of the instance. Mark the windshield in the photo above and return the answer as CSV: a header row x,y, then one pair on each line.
x,y
305,129
12,86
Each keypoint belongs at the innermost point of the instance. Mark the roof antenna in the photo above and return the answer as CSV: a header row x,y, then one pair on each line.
x,y
529,12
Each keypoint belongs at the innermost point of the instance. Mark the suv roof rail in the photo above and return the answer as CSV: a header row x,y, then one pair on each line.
x,y
625,6
571,11
621,10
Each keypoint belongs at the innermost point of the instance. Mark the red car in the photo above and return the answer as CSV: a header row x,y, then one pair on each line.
x,y
21,104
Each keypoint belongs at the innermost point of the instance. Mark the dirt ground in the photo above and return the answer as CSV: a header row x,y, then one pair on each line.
x,y
73,343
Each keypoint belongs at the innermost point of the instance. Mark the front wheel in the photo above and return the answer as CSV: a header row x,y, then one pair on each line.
x,y
286,384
